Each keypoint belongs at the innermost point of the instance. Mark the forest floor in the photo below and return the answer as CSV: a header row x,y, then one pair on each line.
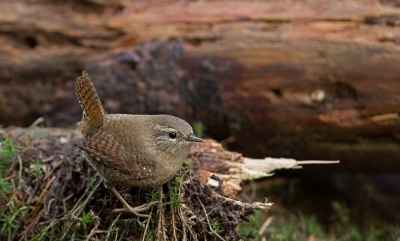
x,y
48,191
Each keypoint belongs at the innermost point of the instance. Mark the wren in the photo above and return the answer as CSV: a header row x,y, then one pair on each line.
x,y
130,150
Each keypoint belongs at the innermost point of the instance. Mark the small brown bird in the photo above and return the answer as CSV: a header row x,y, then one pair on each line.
x,y
130,150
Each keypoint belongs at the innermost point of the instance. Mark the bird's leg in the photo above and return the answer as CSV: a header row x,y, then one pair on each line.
x,y
128,208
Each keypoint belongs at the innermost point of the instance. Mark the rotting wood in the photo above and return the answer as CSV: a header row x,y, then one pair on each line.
x,y
303,80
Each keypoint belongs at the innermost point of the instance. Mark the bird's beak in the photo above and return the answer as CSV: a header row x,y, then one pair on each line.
x,y
194,139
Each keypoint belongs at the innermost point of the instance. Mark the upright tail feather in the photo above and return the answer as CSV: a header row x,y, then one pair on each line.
x,y
93,111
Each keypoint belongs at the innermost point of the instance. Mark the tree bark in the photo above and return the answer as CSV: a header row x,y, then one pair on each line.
x,y
307,80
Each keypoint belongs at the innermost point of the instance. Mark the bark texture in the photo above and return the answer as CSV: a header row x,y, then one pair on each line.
x,y
301,79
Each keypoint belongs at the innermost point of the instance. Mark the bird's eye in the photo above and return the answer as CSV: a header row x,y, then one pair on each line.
x,y
172,134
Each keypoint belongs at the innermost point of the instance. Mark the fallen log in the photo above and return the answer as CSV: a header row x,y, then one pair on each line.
x,y
307,80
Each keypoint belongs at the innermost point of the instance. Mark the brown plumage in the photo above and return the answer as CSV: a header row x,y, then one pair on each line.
x,y
93,112
130,150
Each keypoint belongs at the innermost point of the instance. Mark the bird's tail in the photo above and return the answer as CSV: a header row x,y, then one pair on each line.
x,y
93,112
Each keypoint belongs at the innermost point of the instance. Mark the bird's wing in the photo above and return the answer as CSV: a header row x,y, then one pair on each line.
x,y
106,149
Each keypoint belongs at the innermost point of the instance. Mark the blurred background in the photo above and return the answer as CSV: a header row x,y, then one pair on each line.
x,y
302,79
